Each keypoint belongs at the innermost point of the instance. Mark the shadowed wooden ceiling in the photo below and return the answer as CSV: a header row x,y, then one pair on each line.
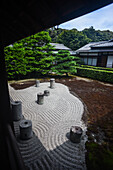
x,y
19,19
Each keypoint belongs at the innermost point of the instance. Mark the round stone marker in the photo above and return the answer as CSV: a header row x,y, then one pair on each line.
x,y
75,134
46,92
52,83
40,98
26,129
16,107
37,83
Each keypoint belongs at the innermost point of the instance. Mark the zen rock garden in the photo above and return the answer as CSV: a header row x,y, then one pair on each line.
x,y
43,116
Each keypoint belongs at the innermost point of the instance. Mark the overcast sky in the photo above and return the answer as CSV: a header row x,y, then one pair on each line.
x,y
101,19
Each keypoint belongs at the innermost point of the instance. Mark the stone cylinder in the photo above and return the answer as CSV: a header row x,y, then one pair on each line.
x,y
75,134
26,129
52,83
40,98
37,83
46,92
16,107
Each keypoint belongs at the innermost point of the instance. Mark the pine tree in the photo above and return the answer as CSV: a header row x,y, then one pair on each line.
x,y
65,63
15,61
39,53
31,56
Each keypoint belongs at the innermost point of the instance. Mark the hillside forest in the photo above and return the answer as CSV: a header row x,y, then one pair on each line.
x,y
75,39
33,56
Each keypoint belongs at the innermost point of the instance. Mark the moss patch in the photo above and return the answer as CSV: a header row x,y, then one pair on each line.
x,y
98,157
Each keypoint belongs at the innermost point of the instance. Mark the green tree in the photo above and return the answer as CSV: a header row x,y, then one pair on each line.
x,y
54,33
39,53
30,56
65,63
15,61
97,35
73,39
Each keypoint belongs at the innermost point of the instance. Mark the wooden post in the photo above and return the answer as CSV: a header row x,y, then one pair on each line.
x,y
9,149
5,115
5,112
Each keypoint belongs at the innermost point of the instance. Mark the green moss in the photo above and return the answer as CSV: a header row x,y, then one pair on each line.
x,y
92,145
108,160
98,157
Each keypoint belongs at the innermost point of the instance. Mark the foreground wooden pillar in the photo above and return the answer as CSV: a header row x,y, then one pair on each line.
x,y
10,157
5,115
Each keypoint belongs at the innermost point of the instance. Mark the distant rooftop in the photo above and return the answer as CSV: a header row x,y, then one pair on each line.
x,y
58,46
104,44
97,47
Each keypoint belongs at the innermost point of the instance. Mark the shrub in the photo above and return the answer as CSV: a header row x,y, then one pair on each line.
x,y
65,63
101,75
97,68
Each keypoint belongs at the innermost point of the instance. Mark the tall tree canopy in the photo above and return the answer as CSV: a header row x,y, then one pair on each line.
x,y
15,60
97,35
54,33
29,55
65,63
73,39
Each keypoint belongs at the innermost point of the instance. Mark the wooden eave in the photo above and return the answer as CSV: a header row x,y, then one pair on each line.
x,y
20,19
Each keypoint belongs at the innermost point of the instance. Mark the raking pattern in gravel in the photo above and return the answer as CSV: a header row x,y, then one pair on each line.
x,y
50,147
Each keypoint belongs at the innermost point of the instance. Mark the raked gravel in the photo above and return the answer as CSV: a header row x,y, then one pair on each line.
x,y
50,147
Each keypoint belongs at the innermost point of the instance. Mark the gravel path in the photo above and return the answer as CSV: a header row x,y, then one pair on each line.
x,y
50,147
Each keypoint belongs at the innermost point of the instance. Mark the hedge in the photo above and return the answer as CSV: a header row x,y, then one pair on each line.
x,y
101,75
97,68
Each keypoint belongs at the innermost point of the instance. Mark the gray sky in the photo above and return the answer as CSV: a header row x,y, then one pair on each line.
x,y
101,19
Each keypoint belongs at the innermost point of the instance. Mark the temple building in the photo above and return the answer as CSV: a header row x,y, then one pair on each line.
x,y
97,54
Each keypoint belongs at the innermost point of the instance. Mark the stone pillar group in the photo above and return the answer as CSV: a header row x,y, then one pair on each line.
x,y
16,107
75,134
26,129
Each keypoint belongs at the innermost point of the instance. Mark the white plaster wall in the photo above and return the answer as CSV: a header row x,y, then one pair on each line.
x,y
109,61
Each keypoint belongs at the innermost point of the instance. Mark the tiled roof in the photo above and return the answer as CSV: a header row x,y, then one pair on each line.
x,y
96,47
60,46
87,47
105,44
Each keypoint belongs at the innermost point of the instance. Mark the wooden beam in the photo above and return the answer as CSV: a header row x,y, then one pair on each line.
x,y
11,157
5,113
